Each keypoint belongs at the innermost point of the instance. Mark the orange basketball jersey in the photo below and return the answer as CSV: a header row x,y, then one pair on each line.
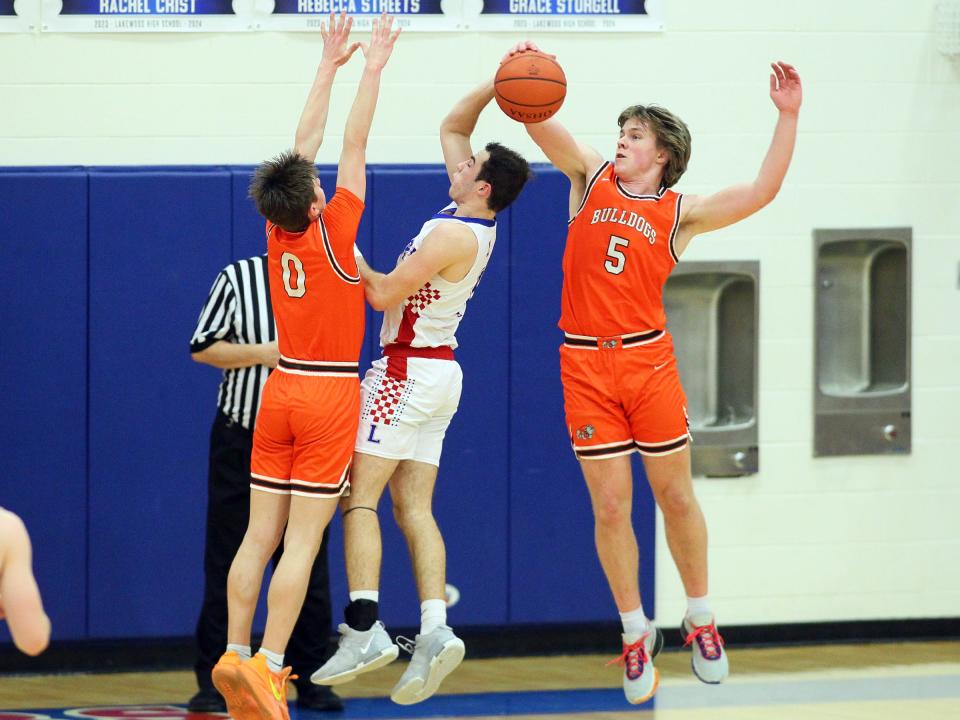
x,y
315,286
619,254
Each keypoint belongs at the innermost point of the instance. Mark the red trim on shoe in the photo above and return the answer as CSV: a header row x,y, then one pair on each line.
x,y
634,657
708,639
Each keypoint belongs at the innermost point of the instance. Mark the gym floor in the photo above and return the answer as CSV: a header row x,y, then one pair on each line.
x,y
878,681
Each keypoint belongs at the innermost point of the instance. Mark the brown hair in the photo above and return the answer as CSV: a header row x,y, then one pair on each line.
x,y
672,135
283,189
507,172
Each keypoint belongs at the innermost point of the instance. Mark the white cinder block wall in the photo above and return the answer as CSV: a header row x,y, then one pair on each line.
x,y
805,539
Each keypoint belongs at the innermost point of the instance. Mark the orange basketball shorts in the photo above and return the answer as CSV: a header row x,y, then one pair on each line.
x,y
622,394
304,434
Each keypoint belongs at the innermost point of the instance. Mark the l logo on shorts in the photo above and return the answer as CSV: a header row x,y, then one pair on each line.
x,y
586,432
370,437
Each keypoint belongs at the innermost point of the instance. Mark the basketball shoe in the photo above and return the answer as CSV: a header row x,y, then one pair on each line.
x,y
226,679
266,689
709,661
435,656
640,677
358,651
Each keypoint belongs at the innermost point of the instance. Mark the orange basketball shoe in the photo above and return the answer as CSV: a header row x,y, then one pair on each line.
x,y
266,689
226,679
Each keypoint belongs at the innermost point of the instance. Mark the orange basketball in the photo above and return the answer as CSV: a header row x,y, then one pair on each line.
x,y
530,87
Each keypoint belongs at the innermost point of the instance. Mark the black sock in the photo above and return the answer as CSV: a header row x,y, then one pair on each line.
x,y
362,614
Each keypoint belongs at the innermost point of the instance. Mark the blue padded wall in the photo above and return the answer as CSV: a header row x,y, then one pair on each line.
x,y
157,240
550,515
43,382
106,457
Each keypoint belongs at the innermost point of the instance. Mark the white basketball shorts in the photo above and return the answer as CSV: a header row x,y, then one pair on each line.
x,y
406,407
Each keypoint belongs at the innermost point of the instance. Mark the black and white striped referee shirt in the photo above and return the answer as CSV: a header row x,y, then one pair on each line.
x,y
238,310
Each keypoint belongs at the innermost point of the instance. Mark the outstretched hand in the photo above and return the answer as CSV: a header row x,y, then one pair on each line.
x,y
335,50
785,90
381,42
523,46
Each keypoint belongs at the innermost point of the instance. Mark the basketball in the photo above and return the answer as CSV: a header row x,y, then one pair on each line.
x,y
530,87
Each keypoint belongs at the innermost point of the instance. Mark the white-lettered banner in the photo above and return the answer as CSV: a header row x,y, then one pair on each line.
x,y
411,15
141,16
566,15
531,16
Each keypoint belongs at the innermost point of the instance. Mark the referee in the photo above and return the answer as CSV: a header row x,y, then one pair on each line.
x,y
236,333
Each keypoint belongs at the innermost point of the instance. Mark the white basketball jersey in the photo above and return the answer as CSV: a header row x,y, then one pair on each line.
x,y
430,317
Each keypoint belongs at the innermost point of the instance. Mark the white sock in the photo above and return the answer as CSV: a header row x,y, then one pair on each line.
x,y
373,595
699,606
274,660
433,614
635,622
242,650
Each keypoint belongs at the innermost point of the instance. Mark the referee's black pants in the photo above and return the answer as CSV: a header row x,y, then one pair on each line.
x,y
228,510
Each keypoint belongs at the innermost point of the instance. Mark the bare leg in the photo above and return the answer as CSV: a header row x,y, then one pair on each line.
x,y
268,515
610,483
686,529
411,489
309,517
361,528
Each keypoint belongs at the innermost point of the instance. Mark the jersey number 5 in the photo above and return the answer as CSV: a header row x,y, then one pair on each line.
x,y
616,260
299,287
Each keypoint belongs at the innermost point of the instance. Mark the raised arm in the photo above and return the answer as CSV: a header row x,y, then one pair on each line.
x,y
313,120
575,160
352,171
711,212
458,125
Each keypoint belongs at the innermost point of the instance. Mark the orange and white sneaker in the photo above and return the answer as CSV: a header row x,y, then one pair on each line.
x,y
226,679
265,689
640,677
709,662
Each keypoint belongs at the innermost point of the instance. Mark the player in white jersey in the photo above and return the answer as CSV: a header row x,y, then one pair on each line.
x,y
409,397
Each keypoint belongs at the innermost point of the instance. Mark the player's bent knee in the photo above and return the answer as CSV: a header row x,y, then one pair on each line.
x,y
410,518
612,510
262,542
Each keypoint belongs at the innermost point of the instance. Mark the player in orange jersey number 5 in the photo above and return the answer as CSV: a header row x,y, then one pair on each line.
x,y
306,426
622,392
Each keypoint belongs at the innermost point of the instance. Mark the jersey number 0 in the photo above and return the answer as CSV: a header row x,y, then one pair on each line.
x,y
299,286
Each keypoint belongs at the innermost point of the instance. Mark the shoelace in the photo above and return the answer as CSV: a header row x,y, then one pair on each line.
x,y
709,640
286,675
634,657
405,643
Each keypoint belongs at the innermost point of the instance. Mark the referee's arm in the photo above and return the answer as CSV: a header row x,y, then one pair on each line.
x,y
228,355
212,344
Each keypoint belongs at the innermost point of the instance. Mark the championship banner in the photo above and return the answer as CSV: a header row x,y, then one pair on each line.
x,y
411,15
18,15
569,16
141,16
